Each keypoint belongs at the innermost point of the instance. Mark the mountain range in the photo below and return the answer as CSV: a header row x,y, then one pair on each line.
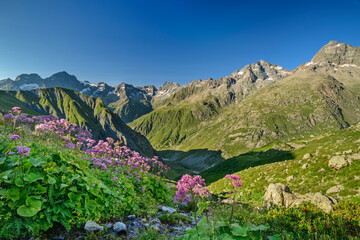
x,y
197,125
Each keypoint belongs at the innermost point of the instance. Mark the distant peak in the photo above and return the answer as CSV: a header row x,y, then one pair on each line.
x,y
338,53
28,76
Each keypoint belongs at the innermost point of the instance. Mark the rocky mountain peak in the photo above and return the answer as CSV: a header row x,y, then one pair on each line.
x,y
260,70
149,89
28,77
338,54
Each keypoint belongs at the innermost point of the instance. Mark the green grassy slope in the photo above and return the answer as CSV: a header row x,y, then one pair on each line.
x,y
317,177
77,108
301,104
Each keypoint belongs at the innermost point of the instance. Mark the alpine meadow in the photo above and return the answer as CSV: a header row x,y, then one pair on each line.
x,y
131,148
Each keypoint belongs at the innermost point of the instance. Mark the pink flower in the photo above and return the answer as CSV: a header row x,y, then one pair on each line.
x,y
236,182
23,150
14,137
16,109
190,185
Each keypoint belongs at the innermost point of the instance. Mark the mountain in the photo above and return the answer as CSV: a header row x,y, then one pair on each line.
x,y
88,112
244,111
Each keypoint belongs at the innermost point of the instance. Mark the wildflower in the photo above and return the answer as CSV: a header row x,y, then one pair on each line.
x,y
93,185
16,109
11,153
23,150
236,182
14,137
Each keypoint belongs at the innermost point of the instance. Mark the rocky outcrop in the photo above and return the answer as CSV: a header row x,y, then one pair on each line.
x,y
338,162
278,194
335,189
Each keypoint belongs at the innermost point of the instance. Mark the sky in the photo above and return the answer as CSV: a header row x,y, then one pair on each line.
x,y
151,42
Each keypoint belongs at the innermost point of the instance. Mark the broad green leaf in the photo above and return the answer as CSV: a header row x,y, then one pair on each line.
x,y
64,169
19,181
3,191
63,186
73,189
6,174
237,230
33,177
32,207
275,237
2,160
90,205
13,194
259,228
36,162
221,224
224,236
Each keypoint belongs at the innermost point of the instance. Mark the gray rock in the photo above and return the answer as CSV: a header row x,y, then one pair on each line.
x,y
131,217
305,166
154,221
335,189
323,202
91,226
119,227
338,162
108,225
278,194
289,178
168,209
307,155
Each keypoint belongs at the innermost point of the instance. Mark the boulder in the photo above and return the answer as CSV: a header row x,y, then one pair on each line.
x,y
131,217
338,162
323,202
278,194
92,226
307,156
335,189
119,227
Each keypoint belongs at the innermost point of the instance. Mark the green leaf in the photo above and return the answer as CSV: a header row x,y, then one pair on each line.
x,y
259,228
75,198
5,175
2,160
19,181
275,237
64,169
36,162
33,177
224,236
51,181
13,194
90,205
73,189
32,207
63,186
237,230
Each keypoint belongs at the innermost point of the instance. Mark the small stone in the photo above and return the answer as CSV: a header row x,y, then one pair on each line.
x,y
307,155
289,178
131,217
108,225
92,226
119,227
156,227
144,220
155,221
168,209
322,170
305,166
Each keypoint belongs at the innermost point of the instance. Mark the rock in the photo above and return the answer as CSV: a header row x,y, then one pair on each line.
x,y
338,162
335,189
355,156
154,221
322,170
131,217
108,225
278,194
156,227
119,227
307,155
91,226
289,178
305,166
323,202
168,209
144,220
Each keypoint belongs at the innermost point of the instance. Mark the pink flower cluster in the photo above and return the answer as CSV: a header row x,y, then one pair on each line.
x,y
23,150
236,182
190,185
109,155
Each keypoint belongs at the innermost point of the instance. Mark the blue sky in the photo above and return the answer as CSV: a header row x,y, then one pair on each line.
x,y
150,42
